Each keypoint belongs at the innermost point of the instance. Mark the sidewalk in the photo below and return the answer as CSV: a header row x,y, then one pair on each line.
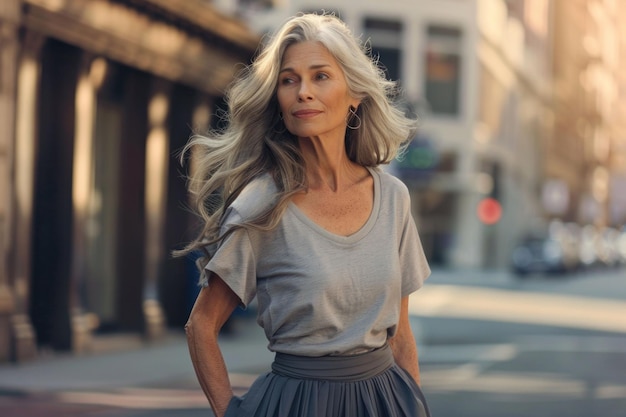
x,y
138,364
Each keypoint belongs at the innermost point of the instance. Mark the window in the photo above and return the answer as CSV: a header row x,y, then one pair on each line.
x,y
443,67
386,41
256,4
324,10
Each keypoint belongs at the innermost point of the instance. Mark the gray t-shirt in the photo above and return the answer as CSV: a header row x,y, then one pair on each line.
x,y
319,293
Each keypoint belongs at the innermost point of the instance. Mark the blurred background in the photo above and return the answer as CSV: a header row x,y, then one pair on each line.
x,y
517,175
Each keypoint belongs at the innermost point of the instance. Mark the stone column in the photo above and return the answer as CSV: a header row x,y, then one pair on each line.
x,y
156,179
468,250
82,322
201,122
28,79
9,45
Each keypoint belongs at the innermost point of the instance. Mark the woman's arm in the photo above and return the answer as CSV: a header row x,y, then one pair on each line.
x,y
403,343
211,310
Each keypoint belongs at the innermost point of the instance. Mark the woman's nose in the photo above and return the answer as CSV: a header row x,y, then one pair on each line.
x,y
304,93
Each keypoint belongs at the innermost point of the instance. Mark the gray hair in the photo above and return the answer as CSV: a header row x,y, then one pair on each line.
x,y
255,140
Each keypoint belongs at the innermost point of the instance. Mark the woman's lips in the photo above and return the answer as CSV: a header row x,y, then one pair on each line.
x,y
304,114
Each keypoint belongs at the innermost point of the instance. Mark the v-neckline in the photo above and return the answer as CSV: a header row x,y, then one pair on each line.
x,y
354,237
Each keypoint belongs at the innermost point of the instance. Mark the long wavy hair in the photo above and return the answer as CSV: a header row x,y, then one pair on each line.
x,y
256,141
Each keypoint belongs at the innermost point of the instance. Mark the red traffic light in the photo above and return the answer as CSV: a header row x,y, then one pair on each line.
x,y
489,210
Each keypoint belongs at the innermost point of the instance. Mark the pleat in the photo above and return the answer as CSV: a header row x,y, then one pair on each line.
x,y
392,393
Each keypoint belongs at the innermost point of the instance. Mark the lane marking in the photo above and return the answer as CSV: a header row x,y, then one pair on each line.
x,y
138,398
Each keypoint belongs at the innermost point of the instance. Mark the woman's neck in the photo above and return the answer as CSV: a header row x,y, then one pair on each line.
x,y
328,166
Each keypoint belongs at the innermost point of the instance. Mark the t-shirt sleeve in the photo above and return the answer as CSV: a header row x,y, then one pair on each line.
x,y
413,261
233,258
234,262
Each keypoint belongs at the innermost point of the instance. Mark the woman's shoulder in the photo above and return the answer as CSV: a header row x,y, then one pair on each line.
x,y
257,197
394,193
391,184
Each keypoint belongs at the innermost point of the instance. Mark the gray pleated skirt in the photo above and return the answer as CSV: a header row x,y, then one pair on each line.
x,y
365,385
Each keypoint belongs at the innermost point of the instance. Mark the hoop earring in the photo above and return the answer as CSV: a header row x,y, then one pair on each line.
x,y
352,116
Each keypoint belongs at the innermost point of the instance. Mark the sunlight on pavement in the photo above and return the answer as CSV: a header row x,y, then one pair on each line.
x,y
139,398
505,383
519,307
152,398
472,353
468,378
607,392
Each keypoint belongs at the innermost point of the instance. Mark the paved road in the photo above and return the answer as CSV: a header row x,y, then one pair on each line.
x,y
496,346
490,346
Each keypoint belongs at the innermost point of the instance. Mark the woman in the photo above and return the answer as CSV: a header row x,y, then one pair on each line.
x,y
297,213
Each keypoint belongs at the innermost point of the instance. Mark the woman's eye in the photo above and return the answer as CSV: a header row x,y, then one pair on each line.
x,y
322,76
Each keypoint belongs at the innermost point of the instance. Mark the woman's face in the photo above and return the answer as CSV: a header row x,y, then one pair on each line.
x,y
312,92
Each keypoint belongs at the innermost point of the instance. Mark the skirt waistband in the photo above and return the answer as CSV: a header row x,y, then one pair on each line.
x,y
337,368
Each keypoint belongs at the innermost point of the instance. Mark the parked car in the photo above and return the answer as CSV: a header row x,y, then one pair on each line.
x,y
621,245
539,254
609,250
600,247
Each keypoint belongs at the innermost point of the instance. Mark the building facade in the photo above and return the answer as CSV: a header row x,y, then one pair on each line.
x,y
96,98
586,156
617,194
515,115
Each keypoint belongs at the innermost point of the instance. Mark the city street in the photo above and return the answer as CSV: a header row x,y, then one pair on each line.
x,y
133,132
491,345
545,346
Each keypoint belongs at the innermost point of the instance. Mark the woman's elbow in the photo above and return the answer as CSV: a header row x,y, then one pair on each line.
x,y
198,328
193,327
189,329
